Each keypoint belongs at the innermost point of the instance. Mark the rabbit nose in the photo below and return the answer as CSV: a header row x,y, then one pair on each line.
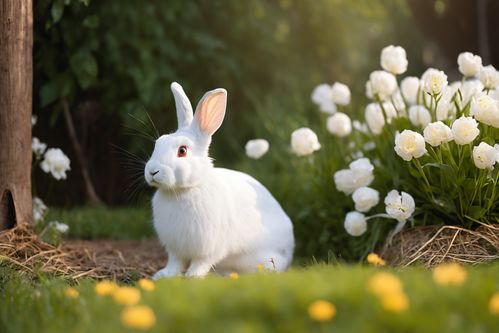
x,y
153,172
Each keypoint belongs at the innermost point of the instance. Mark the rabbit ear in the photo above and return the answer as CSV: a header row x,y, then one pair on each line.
x,y
183,105
210,111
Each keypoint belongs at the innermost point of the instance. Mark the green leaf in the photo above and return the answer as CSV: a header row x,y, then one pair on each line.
x,y
91,22
477,212
49,93
84,66
57,10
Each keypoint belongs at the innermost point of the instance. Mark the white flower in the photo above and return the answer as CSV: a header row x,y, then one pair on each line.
x,y
434,81
489,77
339,124
464,130
304,141
369,145
399,206
340,94
409,145
365,198
322,96
61,227
398,102
344,181
361,127
485,156
469,89
34,119
485,109
39,209
443,109
394,59
38,147
469,64
437,133
410,89
359,174
355,224
369,90
419,115
256,148
383,84
374,118
56,163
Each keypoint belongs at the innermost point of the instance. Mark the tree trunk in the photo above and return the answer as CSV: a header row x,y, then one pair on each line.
x,y
16,76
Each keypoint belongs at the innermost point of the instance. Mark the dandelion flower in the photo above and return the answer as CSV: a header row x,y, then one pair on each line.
x,y
449,274
126,295
383,283
321,311
234,276
494,304
105,287
395,302
140,317
146,284
375,260
71,292
260,267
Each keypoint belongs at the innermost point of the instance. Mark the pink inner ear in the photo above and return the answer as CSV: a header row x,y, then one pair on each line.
x,y
210,112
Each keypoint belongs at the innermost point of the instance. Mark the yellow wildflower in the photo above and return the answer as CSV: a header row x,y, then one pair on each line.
x,y
494,304
449,274
384,283
234,276
105,287
71,292
375,260
147,285
139,317
126,295
260,267
321,311
395,302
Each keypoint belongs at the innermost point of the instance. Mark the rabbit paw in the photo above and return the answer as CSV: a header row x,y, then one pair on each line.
x,y
165,273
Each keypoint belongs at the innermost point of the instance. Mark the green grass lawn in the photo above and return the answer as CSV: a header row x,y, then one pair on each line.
x,y
263,302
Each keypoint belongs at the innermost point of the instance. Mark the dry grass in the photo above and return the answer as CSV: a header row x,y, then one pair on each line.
x,y
432,245
120,260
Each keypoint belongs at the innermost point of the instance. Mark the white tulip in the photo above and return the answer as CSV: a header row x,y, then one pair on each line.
x,y
340,94
434,81
444,107
339,124
374,118
56,163
394,59
360,174
469,89
256,148
489,77
399,206
38,147
419,115
365,198
369,90
361,127
39,209
469,64
485,156
409,145
464,130
485,109
383,84
61,227
304,141
355,224
437,133
345,181
322,96
410,89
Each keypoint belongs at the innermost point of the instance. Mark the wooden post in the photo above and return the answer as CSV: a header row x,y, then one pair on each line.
x,y
16,79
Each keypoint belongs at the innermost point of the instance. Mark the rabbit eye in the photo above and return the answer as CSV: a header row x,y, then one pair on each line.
x,y
182,151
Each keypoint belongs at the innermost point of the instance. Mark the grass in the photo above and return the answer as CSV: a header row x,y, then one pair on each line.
x,y
263,302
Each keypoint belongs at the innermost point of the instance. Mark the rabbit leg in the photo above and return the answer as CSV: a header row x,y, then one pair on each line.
x,y
199,268
173,267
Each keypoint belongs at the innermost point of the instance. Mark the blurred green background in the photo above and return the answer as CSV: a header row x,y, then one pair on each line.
x,y
112,62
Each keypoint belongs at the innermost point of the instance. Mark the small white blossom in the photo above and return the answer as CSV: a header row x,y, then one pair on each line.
x,y
359,174
340,94
464,130
409,145
489,77
304,141
394,59
485,109
469,64
61,227
365,198
368,146
383,84
34,119
355,224
361,127
374,118
339,124
38,147
56,163
434,81
399,206
256,148
437,133
410,89
39,209
345,181
322,96
419,115
485,156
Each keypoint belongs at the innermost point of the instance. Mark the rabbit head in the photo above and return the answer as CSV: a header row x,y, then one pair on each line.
x,y
180,160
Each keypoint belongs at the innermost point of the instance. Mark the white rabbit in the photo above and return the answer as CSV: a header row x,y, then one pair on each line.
x,y
211,218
